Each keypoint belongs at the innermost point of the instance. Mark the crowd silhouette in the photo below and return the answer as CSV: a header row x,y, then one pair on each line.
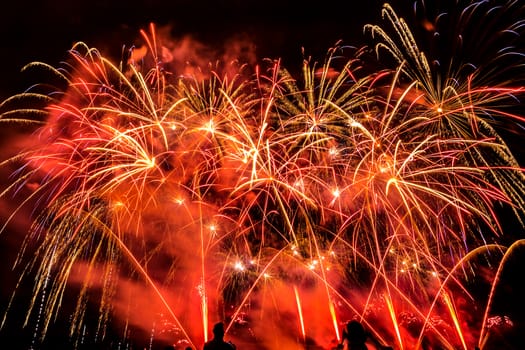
x,y
354,337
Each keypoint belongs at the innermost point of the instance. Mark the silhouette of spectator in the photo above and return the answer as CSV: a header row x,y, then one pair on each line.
x,y
218,343
355,337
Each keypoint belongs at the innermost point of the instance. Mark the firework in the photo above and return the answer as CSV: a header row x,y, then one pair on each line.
x,y
166,198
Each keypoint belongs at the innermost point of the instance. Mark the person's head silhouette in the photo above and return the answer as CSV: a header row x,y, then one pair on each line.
x,y
218,330
218,343
355,333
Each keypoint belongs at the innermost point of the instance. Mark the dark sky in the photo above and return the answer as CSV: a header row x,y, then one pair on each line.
x,y
44,30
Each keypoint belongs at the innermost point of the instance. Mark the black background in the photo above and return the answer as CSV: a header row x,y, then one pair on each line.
x,y
45,30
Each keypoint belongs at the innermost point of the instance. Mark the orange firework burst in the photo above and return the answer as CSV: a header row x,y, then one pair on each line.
x,y
168,198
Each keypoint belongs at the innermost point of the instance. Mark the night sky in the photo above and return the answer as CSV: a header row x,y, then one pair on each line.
x,y
45,30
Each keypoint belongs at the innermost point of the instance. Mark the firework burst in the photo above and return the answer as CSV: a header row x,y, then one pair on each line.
x,y
167,198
